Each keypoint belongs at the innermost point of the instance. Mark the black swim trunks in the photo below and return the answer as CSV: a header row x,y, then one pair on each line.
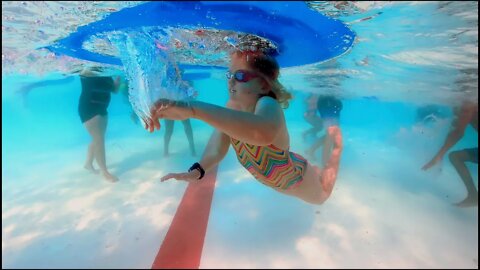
x,y
95,96
473,153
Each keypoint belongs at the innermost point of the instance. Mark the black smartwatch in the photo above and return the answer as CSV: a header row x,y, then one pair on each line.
x,y
197,166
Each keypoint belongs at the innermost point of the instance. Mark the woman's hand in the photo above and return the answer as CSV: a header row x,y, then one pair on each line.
x,y
167,109
187,176
432,162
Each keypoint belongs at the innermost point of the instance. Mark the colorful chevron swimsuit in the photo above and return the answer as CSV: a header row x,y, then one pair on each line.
x,y
271,165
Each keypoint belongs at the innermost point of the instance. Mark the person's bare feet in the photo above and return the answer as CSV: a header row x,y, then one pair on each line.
x,y
470,201
109,177
90,168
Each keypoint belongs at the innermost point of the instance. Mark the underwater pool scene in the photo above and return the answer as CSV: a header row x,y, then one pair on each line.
x,y
373,163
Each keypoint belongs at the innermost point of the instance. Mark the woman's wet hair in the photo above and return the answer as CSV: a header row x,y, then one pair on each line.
x,y
268,66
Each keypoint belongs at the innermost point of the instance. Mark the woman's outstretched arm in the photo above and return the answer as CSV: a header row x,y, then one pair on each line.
x,y
258,128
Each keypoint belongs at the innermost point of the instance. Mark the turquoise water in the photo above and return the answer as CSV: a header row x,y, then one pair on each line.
x,y
385,212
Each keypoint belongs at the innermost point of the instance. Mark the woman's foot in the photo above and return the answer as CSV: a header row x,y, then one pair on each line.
x,y
109,177
90,168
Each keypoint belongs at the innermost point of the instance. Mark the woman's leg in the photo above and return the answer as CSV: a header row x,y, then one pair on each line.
x,y
330,171
187,126
327,149
458,159
317,184
168,135
90,157
97,127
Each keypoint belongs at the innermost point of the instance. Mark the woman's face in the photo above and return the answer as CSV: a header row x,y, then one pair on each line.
x,y
246,93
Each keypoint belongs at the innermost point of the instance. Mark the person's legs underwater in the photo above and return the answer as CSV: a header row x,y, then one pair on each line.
x,y
458,159
169,124
187,126
90,157
97,126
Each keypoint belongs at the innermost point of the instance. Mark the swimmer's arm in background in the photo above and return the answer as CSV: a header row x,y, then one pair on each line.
x,y
25,89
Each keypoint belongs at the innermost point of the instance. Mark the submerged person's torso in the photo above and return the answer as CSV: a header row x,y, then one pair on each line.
x,y
96,90
271,165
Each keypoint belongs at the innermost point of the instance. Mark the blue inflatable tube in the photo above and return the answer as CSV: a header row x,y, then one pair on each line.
x,y
302,35
195,76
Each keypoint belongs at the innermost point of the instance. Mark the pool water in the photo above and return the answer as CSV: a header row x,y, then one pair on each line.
x,y
384,212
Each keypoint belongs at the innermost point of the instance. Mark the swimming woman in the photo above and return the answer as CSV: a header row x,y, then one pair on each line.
x,y
254,124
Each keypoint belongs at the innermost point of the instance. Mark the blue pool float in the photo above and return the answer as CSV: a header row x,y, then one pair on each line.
x,y
302,35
